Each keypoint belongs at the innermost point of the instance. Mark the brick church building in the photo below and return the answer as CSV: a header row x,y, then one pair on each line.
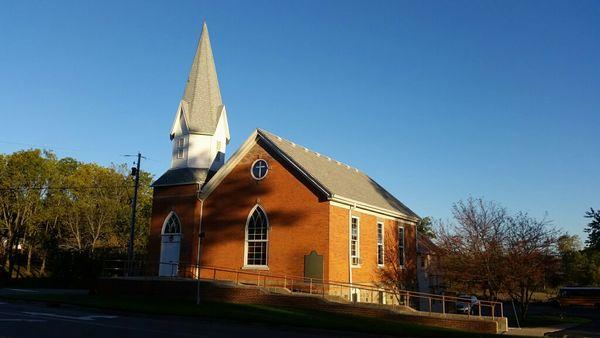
x,y
271,205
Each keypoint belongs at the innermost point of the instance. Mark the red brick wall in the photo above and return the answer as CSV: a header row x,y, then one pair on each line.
x,y
181,199
366,273
298,220
338,244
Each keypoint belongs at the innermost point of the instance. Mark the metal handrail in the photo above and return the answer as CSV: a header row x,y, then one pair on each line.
x,y
314,284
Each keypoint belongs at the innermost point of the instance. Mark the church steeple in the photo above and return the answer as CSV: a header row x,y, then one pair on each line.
x,y
200,131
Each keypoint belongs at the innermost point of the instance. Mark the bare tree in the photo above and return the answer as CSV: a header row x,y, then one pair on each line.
x,y
472,248
395,275
530,245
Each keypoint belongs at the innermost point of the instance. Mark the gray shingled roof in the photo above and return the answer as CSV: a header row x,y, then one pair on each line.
x,y
338,178
202,94
182,176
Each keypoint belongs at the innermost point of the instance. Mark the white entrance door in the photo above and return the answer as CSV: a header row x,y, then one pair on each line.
x,y
169,255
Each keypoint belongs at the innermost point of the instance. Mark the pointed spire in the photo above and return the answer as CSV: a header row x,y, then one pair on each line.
x,y
202,96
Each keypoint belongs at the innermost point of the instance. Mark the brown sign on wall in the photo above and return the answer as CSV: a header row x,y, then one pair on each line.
x,y
313,265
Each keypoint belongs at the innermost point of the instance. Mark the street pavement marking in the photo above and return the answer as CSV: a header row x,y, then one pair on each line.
x,y
54,315
22,320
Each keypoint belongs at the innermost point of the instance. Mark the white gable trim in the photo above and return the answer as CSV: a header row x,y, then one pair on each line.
x,y
180,115
303,172
223,121
240,153
214,182
253,140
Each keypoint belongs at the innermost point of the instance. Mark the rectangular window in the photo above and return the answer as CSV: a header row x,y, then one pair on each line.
x,y
180,144
401,246
380,244
354,241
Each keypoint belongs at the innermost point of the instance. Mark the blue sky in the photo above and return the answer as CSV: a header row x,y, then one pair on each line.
x,y
437,101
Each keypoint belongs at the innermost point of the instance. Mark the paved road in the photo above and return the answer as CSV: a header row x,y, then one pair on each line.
x,y
591,329
37,320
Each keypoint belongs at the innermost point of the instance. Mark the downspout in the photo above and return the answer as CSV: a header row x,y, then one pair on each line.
x,y
198,249
199,240
350,247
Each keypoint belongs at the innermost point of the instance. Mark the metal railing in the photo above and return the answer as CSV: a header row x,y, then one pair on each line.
x,y
425,303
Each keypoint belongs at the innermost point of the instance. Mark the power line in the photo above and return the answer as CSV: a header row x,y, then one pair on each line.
x,y
42,146
66,187
75,150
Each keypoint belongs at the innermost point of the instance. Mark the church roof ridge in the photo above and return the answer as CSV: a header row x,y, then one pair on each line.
x,y
335,177
294,144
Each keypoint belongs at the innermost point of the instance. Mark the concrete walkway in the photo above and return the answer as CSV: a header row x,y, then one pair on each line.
x,y
538,331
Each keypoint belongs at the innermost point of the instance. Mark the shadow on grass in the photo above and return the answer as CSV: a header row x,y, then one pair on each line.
x,y
248,314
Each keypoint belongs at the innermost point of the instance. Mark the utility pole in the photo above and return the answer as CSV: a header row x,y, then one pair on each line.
x,y
136,172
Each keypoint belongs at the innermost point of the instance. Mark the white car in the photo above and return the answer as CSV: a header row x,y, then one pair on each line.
x,y
467,304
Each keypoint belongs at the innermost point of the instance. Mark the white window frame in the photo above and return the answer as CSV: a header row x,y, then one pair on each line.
x,y
381,227
401,246
266,169
355,259
173,215
253,266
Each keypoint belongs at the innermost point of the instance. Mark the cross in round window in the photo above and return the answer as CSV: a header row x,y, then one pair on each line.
x,y
259,169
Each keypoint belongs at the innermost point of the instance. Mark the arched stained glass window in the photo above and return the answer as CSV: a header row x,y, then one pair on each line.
x,y
172,225
257,238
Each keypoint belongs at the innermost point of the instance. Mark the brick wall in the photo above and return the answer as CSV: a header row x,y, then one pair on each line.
x,y
299,222
182,200
298,219
338,243
366,272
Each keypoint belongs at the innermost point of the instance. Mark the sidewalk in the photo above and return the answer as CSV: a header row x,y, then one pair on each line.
x,y
538,331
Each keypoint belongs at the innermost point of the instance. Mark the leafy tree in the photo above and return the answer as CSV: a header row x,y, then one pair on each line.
x,y
568,244
23,181
425,227
579,267
60,212
593,229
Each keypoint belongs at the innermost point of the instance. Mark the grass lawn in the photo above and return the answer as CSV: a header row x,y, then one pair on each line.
x,y
249,313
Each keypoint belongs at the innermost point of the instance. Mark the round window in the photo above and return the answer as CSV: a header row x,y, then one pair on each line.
x,y
259,169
